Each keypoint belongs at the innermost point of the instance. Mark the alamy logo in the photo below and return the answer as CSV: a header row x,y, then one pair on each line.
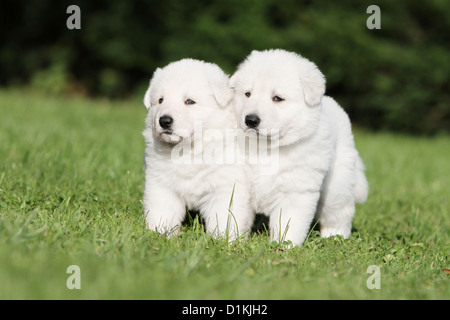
x,y
74,20
230,146
374,21
74,280
374,281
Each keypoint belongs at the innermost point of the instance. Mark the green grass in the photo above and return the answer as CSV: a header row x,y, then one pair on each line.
x,y
71,181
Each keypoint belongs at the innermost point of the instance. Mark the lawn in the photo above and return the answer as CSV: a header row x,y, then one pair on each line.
x,y
71,182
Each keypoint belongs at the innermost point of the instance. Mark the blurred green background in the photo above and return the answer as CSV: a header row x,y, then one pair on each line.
x,y
395,78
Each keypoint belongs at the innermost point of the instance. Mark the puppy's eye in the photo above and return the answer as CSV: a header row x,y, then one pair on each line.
x,y
160,100
248,94
189,101
277,99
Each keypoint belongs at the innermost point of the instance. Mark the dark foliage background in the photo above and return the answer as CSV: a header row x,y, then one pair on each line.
x,y
396,78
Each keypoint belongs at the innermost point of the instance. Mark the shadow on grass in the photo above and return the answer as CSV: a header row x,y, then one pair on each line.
x,y
260,225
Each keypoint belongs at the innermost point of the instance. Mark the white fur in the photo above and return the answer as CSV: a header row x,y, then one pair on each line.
x,y
320,172
172,187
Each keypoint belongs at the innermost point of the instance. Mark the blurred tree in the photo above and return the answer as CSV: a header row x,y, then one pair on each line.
x,y
394,78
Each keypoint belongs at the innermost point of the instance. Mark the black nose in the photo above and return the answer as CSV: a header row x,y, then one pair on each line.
x,y
252,120
165,122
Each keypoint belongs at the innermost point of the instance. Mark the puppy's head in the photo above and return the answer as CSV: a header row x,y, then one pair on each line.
x,y
278,93
183,93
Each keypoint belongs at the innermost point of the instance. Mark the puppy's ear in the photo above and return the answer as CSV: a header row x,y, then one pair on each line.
x,y
313,82
232,81
147,102
147,96
223,95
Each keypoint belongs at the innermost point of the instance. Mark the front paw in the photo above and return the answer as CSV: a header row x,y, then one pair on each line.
x,y
327,232
166,227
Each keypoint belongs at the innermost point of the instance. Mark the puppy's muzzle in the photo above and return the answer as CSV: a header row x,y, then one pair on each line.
x,y
166,122
252,121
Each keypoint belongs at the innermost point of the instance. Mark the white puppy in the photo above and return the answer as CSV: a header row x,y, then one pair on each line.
x,y
188,103
280,95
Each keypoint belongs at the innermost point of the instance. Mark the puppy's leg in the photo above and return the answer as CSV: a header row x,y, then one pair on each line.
x,y
337,204
164,211
291,219
336,221
227,214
